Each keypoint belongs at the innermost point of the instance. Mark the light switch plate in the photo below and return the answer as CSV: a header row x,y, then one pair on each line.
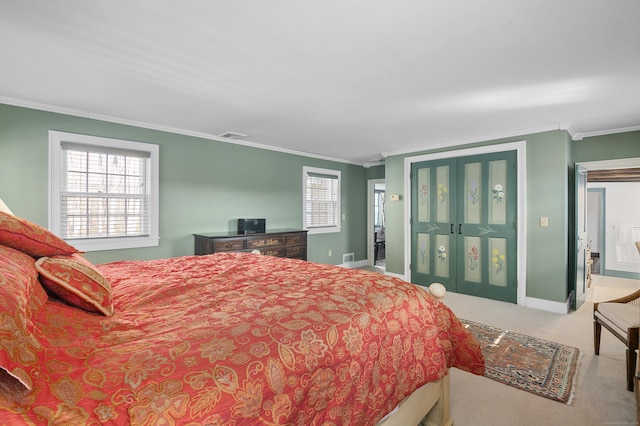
x,y
544,221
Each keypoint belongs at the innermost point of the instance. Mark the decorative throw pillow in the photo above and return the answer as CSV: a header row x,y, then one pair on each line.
x,y
20,349
30,238
77,282
4,207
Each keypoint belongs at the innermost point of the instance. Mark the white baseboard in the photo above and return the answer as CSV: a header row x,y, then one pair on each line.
x,y
358,264
548,305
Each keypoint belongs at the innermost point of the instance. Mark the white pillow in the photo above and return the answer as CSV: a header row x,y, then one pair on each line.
x,y
4,208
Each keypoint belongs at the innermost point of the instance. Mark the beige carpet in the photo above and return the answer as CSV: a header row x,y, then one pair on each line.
x,y
600,397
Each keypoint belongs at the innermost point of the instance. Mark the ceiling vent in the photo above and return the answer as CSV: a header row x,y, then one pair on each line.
x,y
233,135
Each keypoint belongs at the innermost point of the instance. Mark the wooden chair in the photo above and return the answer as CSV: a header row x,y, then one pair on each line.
x,y
622,318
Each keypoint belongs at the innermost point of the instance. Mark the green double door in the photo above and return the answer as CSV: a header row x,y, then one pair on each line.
x,y
463,224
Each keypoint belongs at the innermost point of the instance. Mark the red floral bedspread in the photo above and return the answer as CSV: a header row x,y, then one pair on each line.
x,y
241,339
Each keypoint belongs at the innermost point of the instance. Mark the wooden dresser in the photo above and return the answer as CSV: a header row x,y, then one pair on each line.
x,y
278,242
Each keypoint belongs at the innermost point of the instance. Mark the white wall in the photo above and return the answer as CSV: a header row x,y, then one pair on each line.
x,y
622,214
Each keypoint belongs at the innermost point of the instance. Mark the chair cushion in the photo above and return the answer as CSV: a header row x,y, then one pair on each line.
x,y
619,315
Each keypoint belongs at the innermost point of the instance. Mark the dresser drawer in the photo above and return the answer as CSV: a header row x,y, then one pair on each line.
x,y
296,251
262,242
273,251
228,244
292,239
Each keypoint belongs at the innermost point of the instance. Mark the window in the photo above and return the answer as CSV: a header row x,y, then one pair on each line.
x,y
321,197
103,193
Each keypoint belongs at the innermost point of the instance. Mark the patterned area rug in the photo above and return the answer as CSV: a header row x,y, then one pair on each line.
x,y
538,366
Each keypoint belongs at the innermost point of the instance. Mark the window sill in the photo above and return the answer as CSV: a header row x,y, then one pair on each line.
x,y
100,244
323,230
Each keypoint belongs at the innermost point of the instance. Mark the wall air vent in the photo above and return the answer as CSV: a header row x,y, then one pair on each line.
x,y
233,135
348,258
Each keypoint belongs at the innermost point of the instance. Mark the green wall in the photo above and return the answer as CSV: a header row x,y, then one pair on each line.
x,y
607,147
547,156
375,172
205,185
548,194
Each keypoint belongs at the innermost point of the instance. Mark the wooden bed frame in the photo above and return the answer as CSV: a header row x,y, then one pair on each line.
x,y
430,402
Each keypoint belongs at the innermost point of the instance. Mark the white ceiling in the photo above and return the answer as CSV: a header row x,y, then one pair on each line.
x,y
347,79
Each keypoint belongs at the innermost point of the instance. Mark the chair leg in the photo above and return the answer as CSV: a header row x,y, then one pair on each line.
x,y
631,368
597,331
632,345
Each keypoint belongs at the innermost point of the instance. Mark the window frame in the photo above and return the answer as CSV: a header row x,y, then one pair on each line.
x,y
306,171
56,140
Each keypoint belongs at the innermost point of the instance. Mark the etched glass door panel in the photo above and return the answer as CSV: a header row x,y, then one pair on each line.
x,y
442,192
442,263
498,268
498,195
472,185
422,263
473,259
424,183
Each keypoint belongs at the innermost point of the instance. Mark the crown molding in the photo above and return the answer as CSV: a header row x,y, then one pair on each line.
x,y
152,126
581,136
486,138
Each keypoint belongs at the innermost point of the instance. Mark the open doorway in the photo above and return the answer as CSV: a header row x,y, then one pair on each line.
x,y
613,227
612,212
596,230
376,223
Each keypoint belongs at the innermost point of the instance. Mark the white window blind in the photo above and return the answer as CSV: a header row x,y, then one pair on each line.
x,y
322,200
103,192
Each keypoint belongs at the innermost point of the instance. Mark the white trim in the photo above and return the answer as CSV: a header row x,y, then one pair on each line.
x,y
330,172
175,130
95,244
355,265
520,147
489,137
576,136
618,163
548,305
569,128
581,135
371,188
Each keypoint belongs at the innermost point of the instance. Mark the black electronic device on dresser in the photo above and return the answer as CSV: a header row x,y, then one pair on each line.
x,y
252,226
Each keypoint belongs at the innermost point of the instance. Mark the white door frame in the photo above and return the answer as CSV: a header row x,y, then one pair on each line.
x,y
371,186
520,147
619,163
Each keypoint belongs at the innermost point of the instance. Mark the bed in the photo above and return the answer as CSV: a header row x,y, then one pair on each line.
x,y
222,339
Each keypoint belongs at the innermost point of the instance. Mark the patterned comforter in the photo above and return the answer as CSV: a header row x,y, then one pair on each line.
x,y
241,339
